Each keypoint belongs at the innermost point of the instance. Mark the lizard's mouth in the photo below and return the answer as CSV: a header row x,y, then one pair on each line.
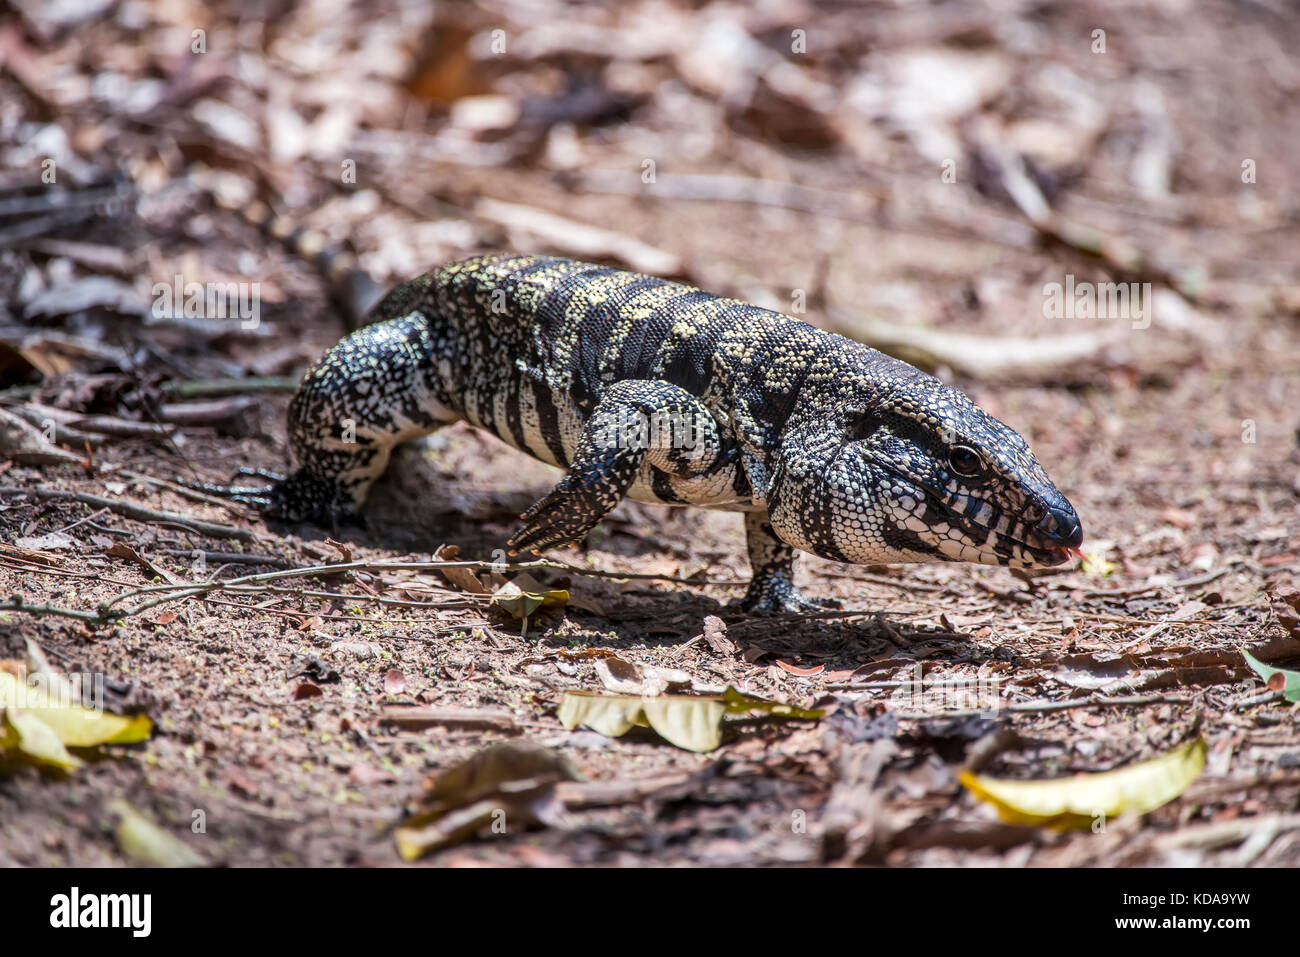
x,y
1033,554
1053,556
1037,554
1046,556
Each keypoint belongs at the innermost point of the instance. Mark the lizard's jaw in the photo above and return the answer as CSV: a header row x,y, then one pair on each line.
x,y
1051,557
997,549
1044,545
1027,556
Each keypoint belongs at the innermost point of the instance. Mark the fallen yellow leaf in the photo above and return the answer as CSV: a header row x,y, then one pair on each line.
x,y
146,843
692,722
36,721
25,736
1081,800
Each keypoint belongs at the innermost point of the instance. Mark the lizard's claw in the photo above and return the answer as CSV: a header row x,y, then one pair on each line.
x,y
558,519
300,497
273,477
258,496
258,499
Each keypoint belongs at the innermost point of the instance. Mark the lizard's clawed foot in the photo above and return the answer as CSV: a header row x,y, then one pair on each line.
x,y
557,519
780,597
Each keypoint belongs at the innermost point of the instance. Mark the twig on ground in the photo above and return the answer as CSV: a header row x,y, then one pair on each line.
x,y
410,718
231,558
193,495
16,603
132,510
1268,697
160,594
212,388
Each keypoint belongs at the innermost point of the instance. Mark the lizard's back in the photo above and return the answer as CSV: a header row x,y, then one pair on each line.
x,y
577,327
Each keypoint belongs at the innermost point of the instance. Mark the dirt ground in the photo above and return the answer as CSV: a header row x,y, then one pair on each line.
x,y
1177,443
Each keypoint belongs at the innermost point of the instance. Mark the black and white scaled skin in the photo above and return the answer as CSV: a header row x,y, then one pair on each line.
x,y
652,390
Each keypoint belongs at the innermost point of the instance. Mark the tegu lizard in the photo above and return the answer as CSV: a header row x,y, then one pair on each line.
x,y
653,390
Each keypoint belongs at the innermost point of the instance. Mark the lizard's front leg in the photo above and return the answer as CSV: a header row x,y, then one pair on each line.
x,y
636,422
771,590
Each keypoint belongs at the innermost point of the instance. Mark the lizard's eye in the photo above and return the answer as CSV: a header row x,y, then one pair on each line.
x,y
863,425
965,461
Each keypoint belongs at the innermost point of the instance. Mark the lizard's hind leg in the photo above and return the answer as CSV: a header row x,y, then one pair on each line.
x,y
377,388
772,590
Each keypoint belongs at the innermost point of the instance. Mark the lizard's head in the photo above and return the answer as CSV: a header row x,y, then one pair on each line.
x,y
913,471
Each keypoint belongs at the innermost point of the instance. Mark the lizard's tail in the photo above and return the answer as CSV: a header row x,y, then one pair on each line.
x,y
349,286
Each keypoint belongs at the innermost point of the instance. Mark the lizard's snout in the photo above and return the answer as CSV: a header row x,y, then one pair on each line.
x,y
1058,528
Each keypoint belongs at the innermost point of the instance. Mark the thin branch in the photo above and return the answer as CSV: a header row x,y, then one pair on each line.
x,y
17,603
161,594
132,510
211,388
